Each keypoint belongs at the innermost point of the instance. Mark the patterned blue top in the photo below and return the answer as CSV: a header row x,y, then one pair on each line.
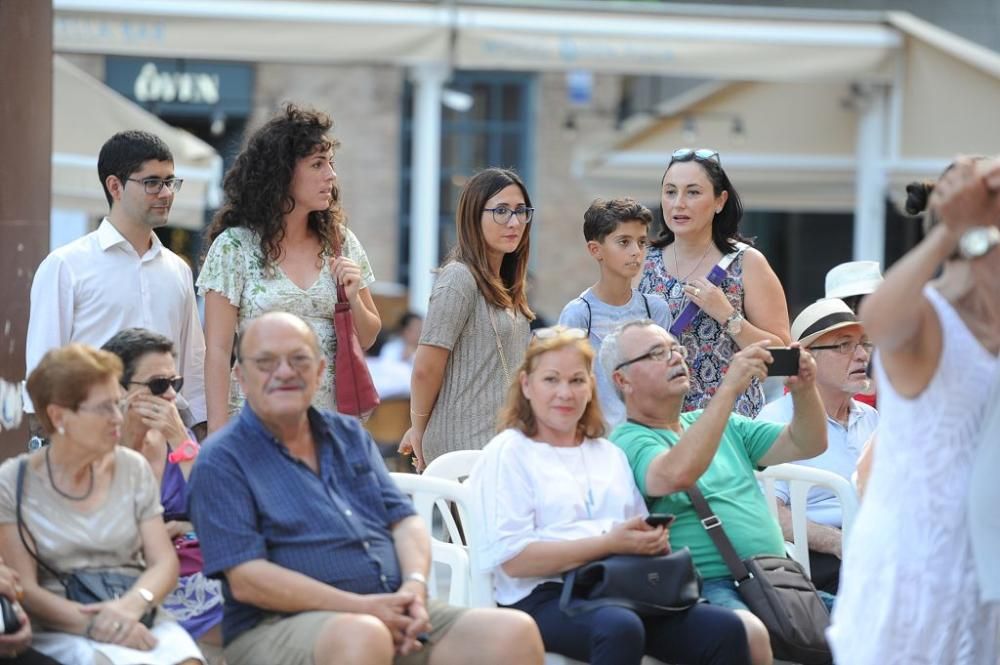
x,y
709,346
250,499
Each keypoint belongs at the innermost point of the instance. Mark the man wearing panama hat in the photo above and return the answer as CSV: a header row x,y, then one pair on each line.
x,y
834,335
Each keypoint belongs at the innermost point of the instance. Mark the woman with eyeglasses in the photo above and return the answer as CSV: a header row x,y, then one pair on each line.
x,y
701,214
280,243
86,506
477,324
153,427
551,494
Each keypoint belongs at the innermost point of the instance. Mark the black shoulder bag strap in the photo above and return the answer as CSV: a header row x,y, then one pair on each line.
x,y
645,301
712,524
22,527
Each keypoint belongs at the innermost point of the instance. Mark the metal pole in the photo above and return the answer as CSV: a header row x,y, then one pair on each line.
x,y
428,83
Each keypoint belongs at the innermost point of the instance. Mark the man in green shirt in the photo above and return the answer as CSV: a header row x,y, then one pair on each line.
x,y
717,449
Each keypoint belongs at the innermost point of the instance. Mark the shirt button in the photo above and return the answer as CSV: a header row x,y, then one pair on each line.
x,y
383,578
348,512
366,544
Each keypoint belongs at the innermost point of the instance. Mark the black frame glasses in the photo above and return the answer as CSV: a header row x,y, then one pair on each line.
x,y
160,384
503,213
657,353
155,185
699,154
845,348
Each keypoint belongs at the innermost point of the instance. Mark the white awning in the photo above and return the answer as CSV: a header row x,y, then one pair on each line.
x,y
86,113
541,36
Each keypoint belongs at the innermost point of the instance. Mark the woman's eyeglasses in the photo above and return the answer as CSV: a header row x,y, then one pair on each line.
x,y
159,385
701,155
657,353
502,213
553,332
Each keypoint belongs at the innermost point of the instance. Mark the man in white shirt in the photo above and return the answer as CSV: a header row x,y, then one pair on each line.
x,y
120,276
833,334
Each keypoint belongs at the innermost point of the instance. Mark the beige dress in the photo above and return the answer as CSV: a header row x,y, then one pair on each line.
x,y
474,385
106,537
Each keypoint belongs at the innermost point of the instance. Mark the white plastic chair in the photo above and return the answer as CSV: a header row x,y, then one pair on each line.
x,y
455,465
800,480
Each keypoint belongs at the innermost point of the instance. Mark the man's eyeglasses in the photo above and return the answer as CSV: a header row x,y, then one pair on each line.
x,y
701,154
553,332
108,409
160,384
845,348
657,353
502,213
300,362
156,185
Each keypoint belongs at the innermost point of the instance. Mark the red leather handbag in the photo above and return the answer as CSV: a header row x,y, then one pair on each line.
x,y
355,391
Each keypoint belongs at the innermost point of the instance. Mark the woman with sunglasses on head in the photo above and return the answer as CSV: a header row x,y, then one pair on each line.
x,y
81,519
477,323
551,494
280,243
153,427
701,213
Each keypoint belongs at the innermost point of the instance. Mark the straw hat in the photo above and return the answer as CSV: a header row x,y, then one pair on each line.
x,y
820,318
854,278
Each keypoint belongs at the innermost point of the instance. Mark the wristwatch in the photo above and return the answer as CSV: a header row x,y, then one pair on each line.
x,y
734,324
978,241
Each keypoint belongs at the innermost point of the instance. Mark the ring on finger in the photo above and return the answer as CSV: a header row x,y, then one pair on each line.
x,y
697,292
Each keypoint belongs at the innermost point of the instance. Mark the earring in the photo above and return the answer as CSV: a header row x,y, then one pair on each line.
x,y
718,210
61,430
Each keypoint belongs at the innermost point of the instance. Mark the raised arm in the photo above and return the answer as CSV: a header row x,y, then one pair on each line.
x,y
805,436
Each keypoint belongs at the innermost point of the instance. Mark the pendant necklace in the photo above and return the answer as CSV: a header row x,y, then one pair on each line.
x,y
677,265
52,480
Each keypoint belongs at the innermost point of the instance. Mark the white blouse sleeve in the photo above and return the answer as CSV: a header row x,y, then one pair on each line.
x,y
503,501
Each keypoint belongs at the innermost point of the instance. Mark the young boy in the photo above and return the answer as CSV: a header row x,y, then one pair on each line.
x,y
616,237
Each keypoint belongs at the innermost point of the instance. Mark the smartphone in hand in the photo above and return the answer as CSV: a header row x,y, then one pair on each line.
x,y
786,361
660,519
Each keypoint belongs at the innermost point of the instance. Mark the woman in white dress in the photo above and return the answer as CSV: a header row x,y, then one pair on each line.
x,y
552,494
908,590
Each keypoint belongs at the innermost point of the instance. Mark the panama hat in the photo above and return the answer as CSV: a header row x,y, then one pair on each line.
x,y
820,318
854,278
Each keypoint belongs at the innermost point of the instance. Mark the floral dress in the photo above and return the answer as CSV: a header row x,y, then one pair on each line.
x,y
709,346
235,268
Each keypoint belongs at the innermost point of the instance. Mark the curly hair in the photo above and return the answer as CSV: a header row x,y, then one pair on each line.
x,y
257,186
725,224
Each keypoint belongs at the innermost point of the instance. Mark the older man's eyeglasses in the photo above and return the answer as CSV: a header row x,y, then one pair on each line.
x,y
156,185
502,213
845,348
161,384
300,362
657,353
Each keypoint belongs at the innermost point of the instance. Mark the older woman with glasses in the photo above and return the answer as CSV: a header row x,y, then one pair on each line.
x,y
82,515
153,427
477,323
281,242
715,313
552,494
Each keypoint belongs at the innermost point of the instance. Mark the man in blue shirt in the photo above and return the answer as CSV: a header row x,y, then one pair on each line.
x,y
322,558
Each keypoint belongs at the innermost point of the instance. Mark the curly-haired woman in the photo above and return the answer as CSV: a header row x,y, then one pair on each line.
x,y
279,242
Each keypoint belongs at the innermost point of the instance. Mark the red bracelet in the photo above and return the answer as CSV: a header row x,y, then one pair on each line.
x,y
185,452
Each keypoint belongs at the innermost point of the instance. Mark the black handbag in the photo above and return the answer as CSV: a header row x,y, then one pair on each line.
x,y
84,586
777,591
647,585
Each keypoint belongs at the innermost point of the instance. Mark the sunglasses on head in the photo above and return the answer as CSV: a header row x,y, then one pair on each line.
x,y
560,331
159,385
701,155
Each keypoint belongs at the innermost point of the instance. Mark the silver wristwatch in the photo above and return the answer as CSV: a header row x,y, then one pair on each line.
x,y
978,241
734,324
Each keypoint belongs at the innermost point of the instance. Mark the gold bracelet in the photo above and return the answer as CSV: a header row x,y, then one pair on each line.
x,y
419,415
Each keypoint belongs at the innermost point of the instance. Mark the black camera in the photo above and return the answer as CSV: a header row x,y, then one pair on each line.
x,y
9,621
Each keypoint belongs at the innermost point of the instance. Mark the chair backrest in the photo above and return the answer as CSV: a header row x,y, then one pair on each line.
x,y
434,497
455,465
800,479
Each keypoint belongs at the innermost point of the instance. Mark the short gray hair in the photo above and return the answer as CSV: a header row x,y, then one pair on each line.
x,y
611,349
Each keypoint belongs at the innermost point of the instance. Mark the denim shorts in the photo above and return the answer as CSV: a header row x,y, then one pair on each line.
x,y
722,592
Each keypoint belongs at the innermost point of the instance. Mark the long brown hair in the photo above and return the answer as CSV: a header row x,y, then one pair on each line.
x,y
516,412
508,291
